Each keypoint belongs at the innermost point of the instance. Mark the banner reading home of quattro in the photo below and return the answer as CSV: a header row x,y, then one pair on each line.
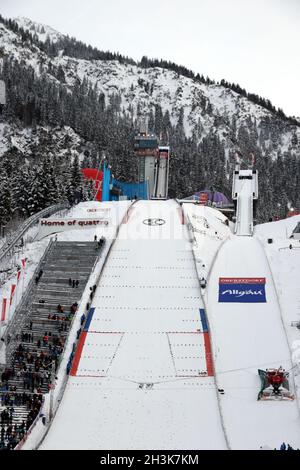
x,y
242,289
55,225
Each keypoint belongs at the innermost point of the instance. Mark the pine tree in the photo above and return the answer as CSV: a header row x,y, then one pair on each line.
x,y
5,199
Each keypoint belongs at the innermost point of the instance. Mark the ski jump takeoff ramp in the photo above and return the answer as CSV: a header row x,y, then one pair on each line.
x,y
143,376
247,335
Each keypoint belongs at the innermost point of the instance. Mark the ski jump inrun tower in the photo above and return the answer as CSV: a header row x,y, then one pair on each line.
x,y
245,195
153,164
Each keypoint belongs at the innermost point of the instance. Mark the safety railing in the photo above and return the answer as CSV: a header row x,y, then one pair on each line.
x,y
9,245
18,318
290,247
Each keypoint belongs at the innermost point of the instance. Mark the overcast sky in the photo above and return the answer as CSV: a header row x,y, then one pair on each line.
x,y
255,43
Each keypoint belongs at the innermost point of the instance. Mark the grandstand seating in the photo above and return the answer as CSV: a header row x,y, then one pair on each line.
x,y
65,261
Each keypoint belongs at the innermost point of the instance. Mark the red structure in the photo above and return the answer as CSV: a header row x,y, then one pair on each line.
x,y
97,177
203,198
293,212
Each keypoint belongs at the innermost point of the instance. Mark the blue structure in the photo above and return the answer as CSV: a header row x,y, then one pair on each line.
x,y
203,320
105,182
131,190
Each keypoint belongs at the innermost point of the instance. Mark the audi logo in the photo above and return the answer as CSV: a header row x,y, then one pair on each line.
x,y
154,222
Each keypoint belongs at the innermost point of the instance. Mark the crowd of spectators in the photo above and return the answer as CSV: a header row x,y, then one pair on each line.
x,y
33,364
11,433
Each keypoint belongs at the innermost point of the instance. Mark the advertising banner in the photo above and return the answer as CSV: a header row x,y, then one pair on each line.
x,y
53,225
242,289
13,287
3,309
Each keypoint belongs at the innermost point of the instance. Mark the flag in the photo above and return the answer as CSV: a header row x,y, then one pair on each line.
x,y
23,262
13,286
3,309
18,276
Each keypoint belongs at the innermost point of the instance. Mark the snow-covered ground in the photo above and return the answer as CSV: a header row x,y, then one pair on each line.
x,y
209,230
41,30
246,337
282,229
141,381
285,265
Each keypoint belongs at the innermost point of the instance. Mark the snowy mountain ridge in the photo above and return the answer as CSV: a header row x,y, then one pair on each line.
x,y
43,31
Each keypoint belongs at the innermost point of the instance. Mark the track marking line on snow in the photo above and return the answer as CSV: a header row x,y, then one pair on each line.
x,y
184,332
93,376
115,353
146,332
198,376
107,332
171,352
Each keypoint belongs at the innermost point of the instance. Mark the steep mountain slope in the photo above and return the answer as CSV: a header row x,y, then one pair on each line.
x,y
207,107
43,32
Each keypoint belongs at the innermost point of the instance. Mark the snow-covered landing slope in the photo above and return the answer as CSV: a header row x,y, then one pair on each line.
x,y
248,336
209,230
285,265
279,229
146,329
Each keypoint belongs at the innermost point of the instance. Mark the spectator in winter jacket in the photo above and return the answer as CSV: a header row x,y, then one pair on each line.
x,y
45,339
73,308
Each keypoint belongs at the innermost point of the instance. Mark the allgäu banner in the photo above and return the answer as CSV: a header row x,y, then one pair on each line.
x,y
242,290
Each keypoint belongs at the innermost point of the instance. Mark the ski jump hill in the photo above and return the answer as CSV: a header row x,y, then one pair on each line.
x,y
143,377
162,362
